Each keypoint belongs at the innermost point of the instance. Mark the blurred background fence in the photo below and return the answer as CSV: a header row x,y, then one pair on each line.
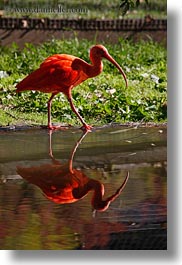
x,y
99,21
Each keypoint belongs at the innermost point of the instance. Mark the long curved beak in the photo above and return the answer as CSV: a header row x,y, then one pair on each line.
x,y
110,59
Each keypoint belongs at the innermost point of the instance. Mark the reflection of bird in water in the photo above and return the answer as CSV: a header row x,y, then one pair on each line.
x,y
61,183
62,72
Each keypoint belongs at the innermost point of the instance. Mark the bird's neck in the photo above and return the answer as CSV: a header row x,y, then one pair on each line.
x,y
90,70
96,66
98,191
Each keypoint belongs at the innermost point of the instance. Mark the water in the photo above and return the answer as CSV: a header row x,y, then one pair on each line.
x,y
51,189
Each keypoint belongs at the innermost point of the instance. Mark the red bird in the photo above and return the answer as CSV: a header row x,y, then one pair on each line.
x,y
62,72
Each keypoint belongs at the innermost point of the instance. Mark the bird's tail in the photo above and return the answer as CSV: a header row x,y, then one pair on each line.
x,y
23,85
32,81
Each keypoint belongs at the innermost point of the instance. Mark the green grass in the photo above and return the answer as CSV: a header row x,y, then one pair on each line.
x,y
100,100
94,9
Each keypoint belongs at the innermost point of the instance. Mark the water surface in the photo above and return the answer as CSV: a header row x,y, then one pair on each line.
x,y
35,167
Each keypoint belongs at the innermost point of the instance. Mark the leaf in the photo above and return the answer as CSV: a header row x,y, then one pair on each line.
x,y
125,6
123,3
137,3
107,108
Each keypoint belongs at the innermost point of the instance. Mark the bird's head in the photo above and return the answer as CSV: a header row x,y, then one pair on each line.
x,y
99,52
98,203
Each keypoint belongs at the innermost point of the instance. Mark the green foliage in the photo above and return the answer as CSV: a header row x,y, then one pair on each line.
x,y
100,100
126,5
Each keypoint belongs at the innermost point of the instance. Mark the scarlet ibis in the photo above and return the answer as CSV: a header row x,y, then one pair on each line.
x,y
63,72
62,184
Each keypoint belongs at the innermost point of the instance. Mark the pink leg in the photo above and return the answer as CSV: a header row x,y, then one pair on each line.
x,y
49,111
50,126
85,126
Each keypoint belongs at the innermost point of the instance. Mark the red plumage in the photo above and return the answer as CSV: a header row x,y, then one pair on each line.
x,y
54,75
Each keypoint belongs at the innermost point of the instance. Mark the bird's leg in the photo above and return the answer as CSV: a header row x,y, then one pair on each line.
x,y
54,161
49,111
85,126
74,150
50,126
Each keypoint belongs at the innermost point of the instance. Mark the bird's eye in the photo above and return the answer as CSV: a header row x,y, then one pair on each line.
x,y
100,52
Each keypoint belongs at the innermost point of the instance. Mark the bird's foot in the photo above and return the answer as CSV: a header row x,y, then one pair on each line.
x,y
86,127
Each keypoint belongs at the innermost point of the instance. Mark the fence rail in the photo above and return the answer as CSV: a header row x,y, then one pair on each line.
x,y
146,24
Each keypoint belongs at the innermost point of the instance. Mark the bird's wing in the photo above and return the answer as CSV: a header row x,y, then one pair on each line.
x,y
54,75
